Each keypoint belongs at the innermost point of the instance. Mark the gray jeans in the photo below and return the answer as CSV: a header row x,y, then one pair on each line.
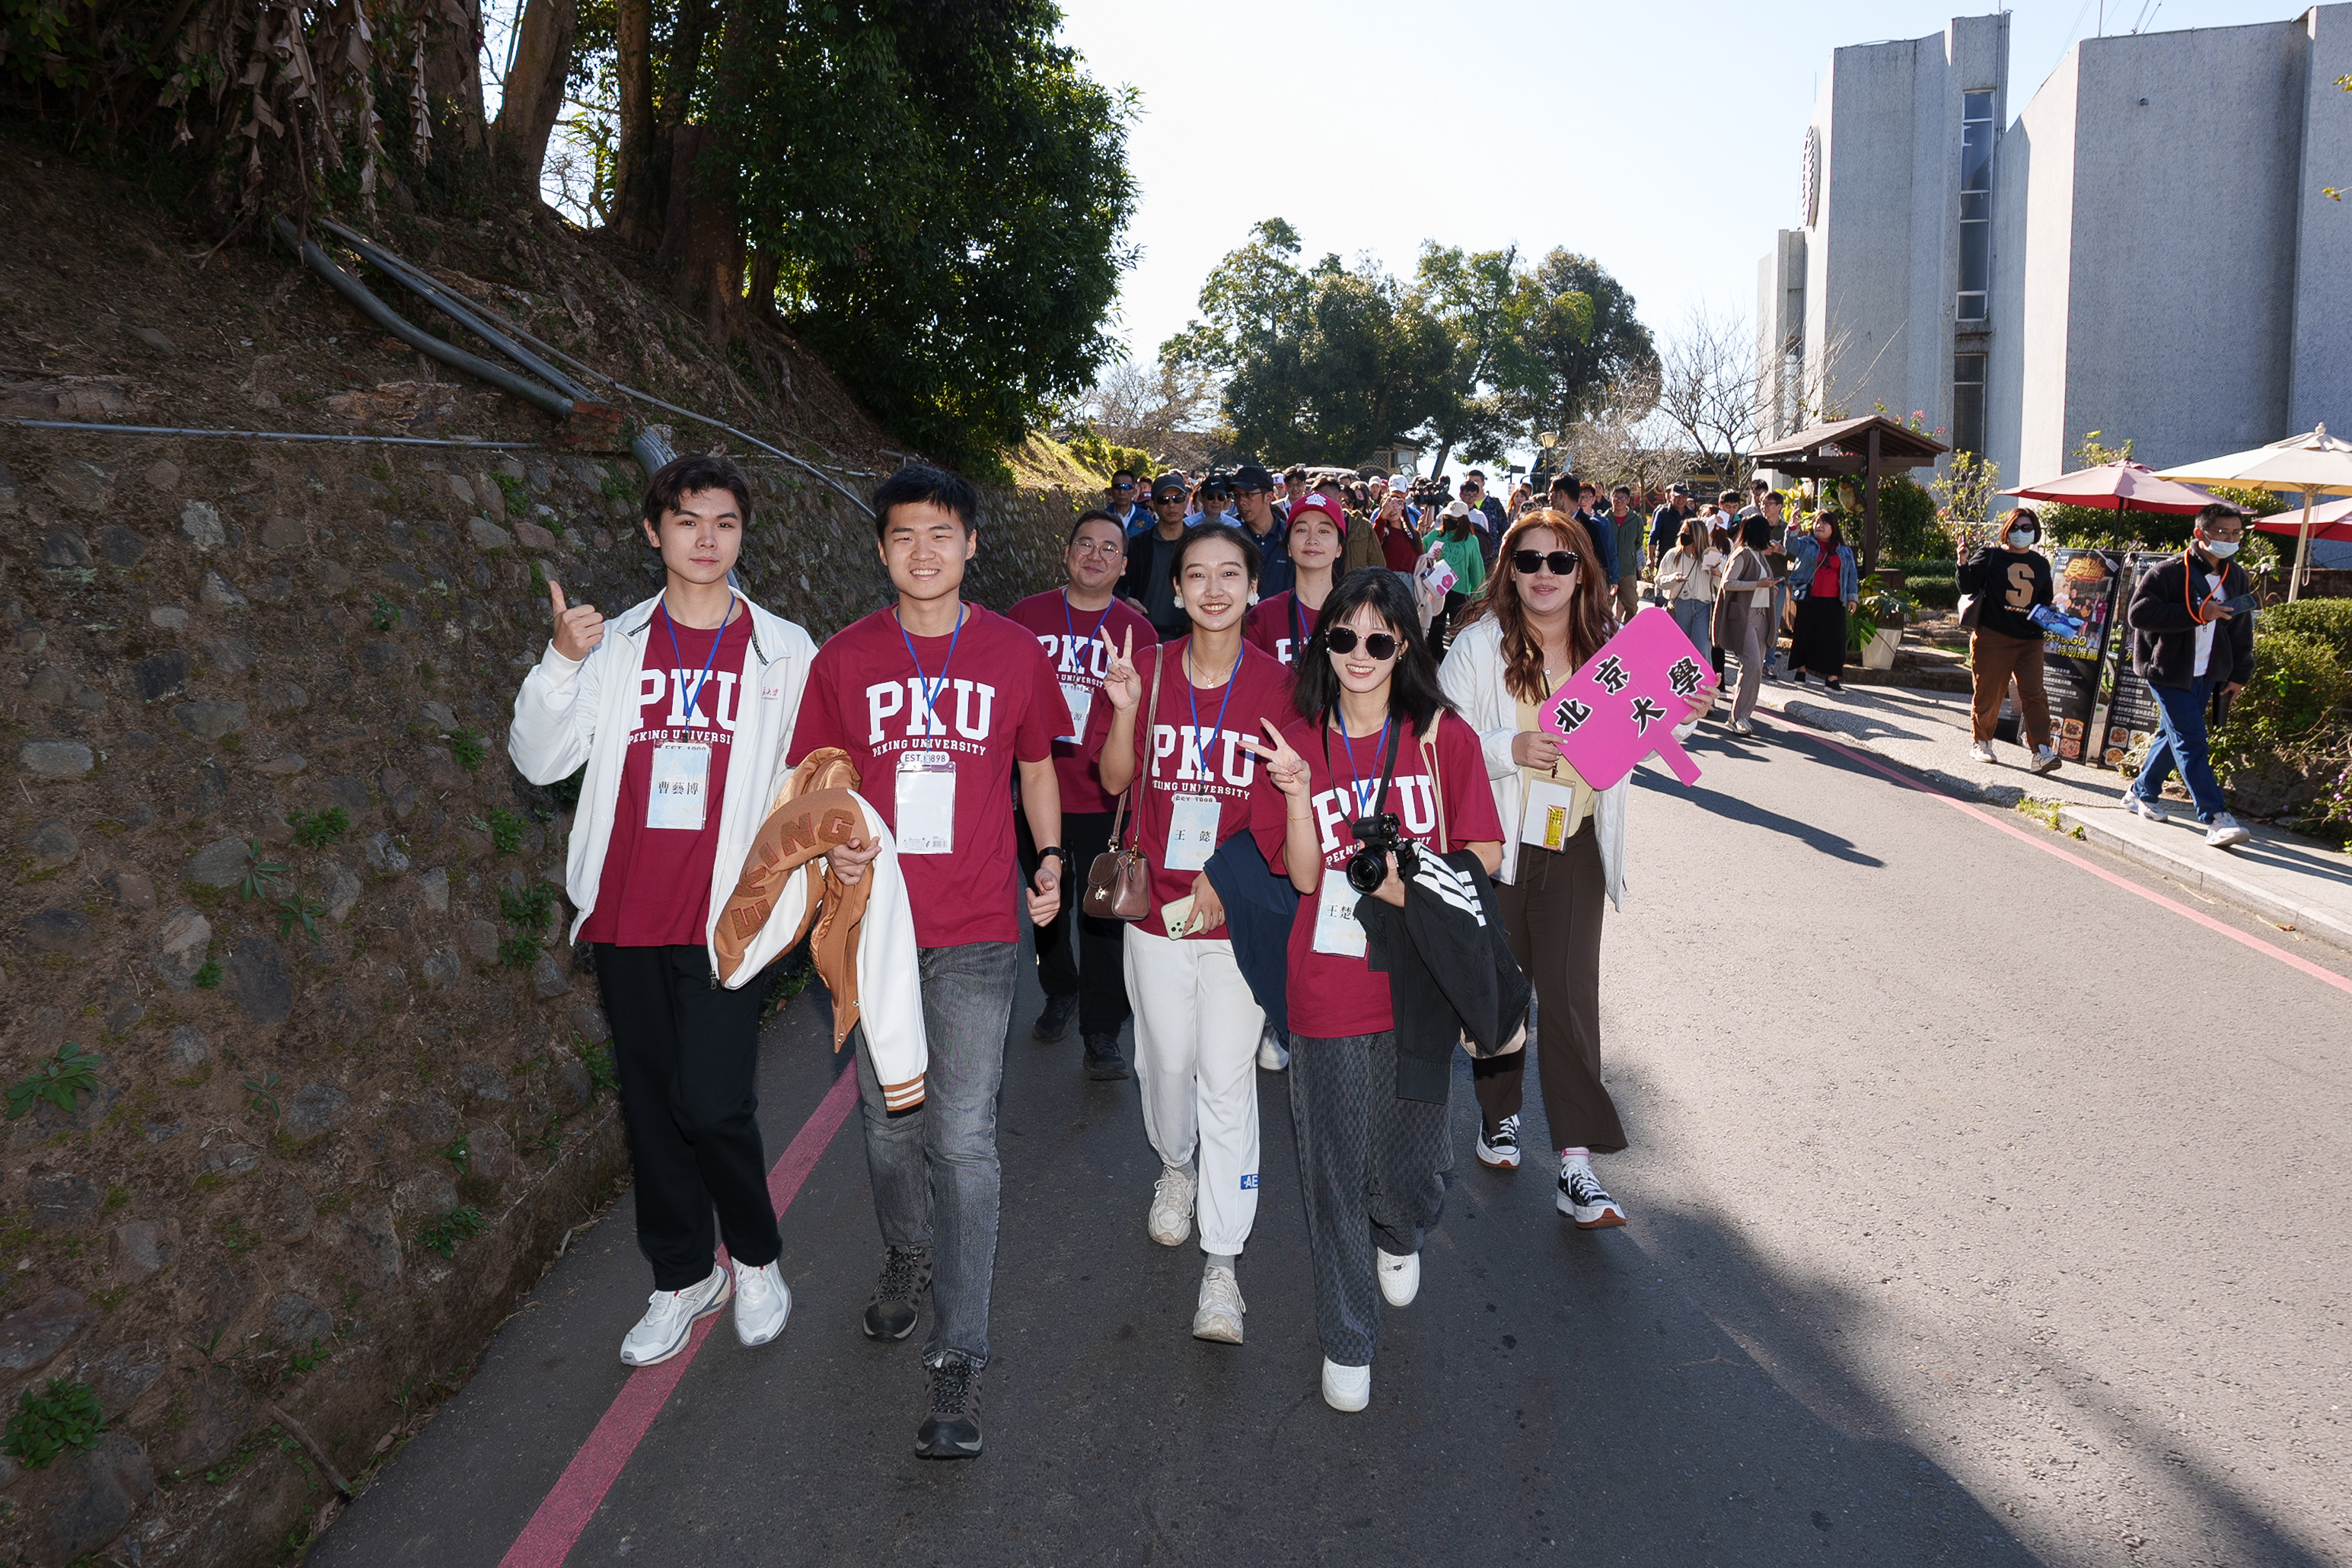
x,y
935,1172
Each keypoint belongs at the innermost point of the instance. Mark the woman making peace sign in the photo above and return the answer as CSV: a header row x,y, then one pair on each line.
x,y
1196,1023
1368,1160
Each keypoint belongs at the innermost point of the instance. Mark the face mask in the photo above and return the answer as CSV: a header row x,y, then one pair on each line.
x,y
2220,549
2019,538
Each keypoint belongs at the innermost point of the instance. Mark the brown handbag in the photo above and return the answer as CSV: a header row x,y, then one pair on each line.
x,y
1119,884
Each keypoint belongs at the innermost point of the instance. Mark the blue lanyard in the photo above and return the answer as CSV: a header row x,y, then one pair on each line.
x,y
931,690
1380,761
1066,620
1233,678
695,696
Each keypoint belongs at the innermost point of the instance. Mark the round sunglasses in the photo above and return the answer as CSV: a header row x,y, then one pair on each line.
x,y
1531,562
1380,645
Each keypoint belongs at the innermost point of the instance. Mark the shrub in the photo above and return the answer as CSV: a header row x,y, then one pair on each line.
x,y
468,747
62,1416
1907,523
2328,620
505,829
56,1079
1942,593
444,1234
2299,683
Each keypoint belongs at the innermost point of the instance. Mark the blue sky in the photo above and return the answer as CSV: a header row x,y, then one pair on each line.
x,y
1661,138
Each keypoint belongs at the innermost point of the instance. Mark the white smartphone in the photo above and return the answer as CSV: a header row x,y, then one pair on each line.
x,y
1177,916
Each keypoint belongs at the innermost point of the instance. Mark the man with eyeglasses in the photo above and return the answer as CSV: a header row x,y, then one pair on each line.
x,y
1254,500
2193,641
1147,584
1126,508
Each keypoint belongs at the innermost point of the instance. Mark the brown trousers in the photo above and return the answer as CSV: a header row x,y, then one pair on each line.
x,y
1993,657
1552,916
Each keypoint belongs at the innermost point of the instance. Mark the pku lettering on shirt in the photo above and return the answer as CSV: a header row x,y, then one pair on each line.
x,y
1415,800
1199,757
1077,656
894,709
717,707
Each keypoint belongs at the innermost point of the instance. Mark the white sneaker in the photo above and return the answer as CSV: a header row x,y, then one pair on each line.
x,y
1347,1388
1219,1315
2147,809
762,1302
1742,727
1272,1054
1170,1223
2224,831
670,1316
2045,761
1400,1277
1500,1148
1980,751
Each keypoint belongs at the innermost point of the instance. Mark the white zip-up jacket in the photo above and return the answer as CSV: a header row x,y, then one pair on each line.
x,y
574,711
1472,677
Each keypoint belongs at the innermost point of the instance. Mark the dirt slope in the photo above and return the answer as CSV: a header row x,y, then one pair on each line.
x,y
349,1095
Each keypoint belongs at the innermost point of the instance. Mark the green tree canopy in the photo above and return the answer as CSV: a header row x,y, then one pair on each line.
x,y
944,191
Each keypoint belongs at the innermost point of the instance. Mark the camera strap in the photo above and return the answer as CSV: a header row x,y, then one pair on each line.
x,y
1388,768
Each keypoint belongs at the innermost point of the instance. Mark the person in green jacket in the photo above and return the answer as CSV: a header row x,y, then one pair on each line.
x,y
1458,542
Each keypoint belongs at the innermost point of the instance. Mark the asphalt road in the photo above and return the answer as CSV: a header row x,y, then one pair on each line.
x,y
1982,1212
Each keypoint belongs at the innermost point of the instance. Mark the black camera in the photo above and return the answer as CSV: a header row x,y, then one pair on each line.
x,y
1377,838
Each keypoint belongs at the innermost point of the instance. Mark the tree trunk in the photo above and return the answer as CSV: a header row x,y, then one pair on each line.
x,y
760,293
453,69
1444,450
685,62
702,243
639,178
534,91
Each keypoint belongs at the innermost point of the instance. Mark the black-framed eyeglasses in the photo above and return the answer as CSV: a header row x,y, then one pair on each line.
x,y
1380,645
1531,562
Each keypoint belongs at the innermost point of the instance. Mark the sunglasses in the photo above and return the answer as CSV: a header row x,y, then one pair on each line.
x,y
1531,562
1122,487
1380,645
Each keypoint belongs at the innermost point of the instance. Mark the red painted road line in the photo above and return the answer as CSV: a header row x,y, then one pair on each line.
x,y
572,1501
2040,841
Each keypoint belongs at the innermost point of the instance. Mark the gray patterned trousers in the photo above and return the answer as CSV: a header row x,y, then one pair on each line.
x,y
1371,1167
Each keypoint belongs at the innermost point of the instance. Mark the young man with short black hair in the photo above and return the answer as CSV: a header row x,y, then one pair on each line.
x,y
1266,526
1080,957
681,710
2191,646
1626,529
938,703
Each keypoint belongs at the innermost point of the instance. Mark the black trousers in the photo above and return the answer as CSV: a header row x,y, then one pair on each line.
x,y
687,1053
1092,967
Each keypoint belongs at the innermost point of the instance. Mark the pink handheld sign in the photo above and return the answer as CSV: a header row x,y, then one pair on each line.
x,y
1625,701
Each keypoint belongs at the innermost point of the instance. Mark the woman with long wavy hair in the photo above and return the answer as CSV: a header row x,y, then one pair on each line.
x,y
1544,611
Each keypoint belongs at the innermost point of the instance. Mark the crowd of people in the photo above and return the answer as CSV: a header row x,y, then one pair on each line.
x,y
1266,762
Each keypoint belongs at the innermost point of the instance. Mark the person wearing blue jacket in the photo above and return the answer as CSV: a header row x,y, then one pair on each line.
x,y
1827,583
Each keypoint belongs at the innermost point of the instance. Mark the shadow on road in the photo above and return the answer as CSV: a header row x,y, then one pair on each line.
x,y
1733,809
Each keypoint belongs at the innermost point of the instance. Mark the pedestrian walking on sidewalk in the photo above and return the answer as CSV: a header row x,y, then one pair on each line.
x,y
940,706
2191,645
1743,616
1689,576
1372,749
2009,580
1198,1028
1546,612
1080,625
1828,587
680,710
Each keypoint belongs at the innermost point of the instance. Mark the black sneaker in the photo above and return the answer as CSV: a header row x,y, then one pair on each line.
x,y
951,1431
1798,676
1833,683
898,1294
1054,1023
1104,1064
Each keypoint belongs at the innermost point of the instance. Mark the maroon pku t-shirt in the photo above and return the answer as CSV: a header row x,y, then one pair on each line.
x,y
655,887
1190,750
1332,995
1079,644
969,704
1281,626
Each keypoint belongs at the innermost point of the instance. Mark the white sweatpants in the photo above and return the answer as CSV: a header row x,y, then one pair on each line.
x,y
1196,1030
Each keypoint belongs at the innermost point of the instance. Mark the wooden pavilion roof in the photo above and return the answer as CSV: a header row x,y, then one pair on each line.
x,y
1836,450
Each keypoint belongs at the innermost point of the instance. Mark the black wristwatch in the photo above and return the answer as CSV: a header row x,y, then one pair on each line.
x,y
1055,850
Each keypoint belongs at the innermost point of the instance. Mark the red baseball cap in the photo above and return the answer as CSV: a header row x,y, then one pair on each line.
x,y
1316,501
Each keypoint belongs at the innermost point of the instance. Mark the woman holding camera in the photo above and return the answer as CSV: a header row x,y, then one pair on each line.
x,y
1544,613
1375,750
1196,1023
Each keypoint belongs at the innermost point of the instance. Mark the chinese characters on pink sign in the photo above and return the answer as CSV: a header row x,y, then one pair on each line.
x,y
1625,701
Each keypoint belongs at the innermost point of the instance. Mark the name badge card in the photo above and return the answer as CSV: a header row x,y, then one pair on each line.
x,y
1550,805
1337,930
1081,699
680,786
926,802
1192,832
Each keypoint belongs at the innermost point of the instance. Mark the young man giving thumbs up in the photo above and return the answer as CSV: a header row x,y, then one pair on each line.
x,y
681,709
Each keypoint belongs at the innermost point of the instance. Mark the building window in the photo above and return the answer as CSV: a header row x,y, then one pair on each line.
x,y
1967,402
1976,204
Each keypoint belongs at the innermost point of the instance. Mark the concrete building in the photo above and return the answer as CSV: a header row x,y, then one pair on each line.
x,y
2146,251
